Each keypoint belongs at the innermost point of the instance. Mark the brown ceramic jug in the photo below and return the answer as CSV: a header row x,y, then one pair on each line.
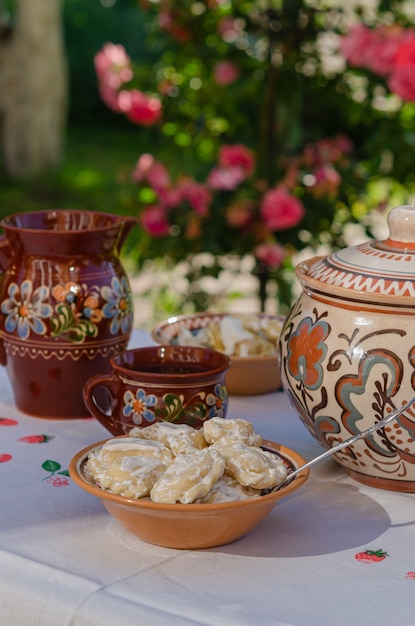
x,y
66,305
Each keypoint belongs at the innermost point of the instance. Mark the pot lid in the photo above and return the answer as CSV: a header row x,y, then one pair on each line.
x,y
374,270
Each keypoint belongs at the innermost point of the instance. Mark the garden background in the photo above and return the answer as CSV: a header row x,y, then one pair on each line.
x,y
243,135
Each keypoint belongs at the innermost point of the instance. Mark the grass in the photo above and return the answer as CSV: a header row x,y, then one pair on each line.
x,y
94,163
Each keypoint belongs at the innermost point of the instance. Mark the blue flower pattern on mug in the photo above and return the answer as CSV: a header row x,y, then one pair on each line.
x,y
119,305
217,401
75,312
139,406
26,309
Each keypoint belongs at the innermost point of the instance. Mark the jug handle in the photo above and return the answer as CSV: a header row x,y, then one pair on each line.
x,y
110,383
127,224
5,259
5,253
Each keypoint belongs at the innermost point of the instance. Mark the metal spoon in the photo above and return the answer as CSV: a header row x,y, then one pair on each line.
x,y
347,442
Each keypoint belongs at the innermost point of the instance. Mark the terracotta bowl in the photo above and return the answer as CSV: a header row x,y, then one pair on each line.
x,y
251,375
188,526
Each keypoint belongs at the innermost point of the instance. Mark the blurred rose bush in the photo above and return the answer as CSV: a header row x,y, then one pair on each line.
x,y
263,127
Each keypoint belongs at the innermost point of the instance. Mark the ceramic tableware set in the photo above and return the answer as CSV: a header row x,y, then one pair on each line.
x,y
346,352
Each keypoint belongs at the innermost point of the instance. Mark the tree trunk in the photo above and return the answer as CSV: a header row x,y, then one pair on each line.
x,y
33,89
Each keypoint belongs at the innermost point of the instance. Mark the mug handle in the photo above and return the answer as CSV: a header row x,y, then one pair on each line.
x,y
110,383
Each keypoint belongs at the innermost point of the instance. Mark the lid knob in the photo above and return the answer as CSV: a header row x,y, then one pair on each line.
x,y
401,222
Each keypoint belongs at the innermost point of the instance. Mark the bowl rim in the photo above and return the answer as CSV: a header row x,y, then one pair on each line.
x,y
173,319
290,456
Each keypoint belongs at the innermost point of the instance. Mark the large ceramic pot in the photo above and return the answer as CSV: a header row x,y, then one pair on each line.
x,y
347,352
66,305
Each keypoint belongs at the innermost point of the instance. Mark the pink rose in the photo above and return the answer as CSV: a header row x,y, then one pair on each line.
x,y
152,171
402,82
112,65
140,108
405,54
197,195
280,210
379,49
170,197
381,55
153,220
326,180
237,155
355,44
270,253
110,98
401,79
329,150
225,73
226,178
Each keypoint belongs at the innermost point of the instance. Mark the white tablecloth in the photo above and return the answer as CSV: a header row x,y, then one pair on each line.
x,y
65,562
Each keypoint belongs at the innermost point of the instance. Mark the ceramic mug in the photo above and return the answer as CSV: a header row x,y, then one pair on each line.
x,y
179,384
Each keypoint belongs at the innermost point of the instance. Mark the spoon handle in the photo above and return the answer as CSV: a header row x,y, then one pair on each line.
x,y
343,444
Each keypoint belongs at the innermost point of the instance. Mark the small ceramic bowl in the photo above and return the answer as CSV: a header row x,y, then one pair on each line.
x,y
250,375
178,384
189,526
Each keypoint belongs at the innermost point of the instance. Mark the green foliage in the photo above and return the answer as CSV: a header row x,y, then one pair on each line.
x,y
293,89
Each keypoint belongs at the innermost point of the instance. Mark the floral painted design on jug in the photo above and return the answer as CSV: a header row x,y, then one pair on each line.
x,y
145,408
76,309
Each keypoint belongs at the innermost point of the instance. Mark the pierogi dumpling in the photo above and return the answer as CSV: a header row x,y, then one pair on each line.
x,y
188,477
232,430
252,466
180,438
131,476
127,446
227,489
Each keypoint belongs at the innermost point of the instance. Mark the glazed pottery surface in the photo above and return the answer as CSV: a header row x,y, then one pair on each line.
x,y
179,384
247,375
347,352
189,526
66,305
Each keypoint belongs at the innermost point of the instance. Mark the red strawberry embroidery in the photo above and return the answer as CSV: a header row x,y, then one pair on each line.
x,y
371,556
36,438
6,421
58,481
410,575
5,457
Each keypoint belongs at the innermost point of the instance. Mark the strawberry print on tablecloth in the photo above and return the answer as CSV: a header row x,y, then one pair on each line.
x,y
7,421
36,438
371,556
